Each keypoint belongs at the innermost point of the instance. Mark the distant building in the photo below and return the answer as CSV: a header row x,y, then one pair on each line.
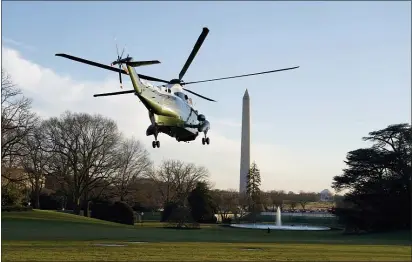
x,y
326,196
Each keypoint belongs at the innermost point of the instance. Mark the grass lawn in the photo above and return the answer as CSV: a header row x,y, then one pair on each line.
x,y
54,236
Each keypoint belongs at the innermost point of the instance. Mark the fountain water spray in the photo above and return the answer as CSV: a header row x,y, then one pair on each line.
x,y
278,217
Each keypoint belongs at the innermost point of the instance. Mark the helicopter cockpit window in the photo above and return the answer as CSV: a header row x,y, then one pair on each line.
x,y
181,95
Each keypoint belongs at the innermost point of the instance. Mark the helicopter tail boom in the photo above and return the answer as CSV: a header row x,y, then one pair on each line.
x,y
137,84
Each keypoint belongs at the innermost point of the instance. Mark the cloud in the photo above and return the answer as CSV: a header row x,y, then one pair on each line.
x,y
53,94
18,44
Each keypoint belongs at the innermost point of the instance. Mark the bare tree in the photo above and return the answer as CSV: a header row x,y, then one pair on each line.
x,y
175,179
306,197
145,192
276,199
59,169
35,161
226,201
303,203
152,199
292,204
244,203
85,148
265,200
17,122
133,162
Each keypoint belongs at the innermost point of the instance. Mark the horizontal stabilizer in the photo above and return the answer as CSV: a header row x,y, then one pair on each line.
x,y
143,63
116,93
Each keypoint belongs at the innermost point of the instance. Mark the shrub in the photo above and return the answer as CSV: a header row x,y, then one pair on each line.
x,y
169,207
119,212
11,195
209,219
16,208
140,208
101,210
227,220
48,200
123,213
181,218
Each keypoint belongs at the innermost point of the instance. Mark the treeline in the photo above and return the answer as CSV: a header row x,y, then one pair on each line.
x,y
82,162
75,159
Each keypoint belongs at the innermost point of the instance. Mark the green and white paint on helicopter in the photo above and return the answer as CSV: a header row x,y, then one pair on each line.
x,y
170,110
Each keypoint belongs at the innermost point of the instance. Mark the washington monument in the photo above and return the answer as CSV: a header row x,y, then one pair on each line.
x,y
245,143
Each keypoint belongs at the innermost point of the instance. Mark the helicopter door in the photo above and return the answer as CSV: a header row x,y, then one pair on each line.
x,y
190,114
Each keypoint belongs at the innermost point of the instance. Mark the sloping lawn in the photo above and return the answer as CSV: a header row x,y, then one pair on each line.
x,y
54,236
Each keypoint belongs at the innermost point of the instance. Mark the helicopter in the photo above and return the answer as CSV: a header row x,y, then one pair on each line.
x,y
170,110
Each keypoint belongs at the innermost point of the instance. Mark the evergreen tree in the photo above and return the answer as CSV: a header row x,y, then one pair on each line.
x,y
201,204
253,190
379,182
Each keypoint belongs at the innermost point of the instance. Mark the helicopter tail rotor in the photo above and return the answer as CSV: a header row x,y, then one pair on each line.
x,y
128,60
118,61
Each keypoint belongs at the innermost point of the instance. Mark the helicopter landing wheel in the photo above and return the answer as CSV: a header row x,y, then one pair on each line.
x,y
156,144
205,140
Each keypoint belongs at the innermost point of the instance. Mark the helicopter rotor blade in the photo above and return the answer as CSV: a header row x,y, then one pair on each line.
x,y
120,76
81,60
114,69
119,57
117,51
154,79
230,77
115,93
196,94
195,49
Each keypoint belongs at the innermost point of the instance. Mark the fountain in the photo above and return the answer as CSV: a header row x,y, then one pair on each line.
x,y
278,225
278,217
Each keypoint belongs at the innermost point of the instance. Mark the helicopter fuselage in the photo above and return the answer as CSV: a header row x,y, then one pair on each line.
x,y
170,110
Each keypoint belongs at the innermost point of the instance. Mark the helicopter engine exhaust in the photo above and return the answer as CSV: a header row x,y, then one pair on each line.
x,y
201,118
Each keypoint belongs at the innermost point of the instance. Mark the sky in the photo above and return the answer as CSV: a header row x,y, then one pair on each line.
x,y
354,75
